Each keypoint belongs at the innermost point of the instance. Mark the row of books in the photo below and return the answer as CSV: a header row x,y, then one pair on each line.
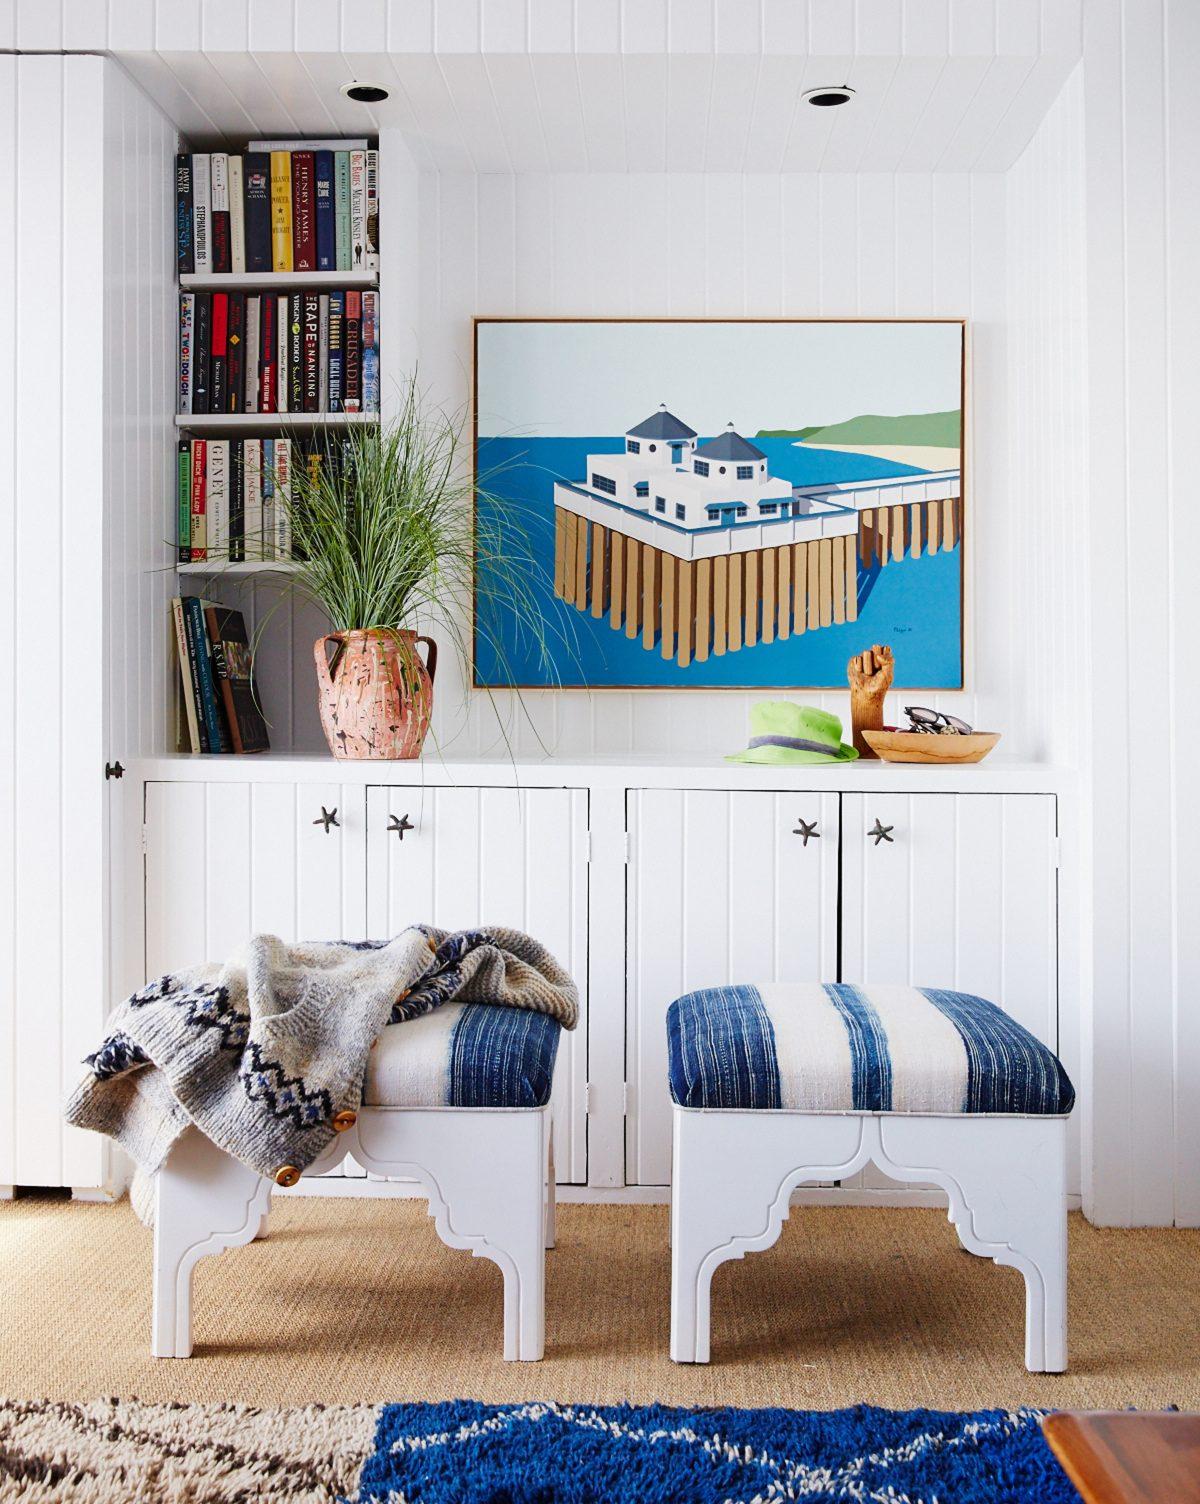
x,y
219,698
283,206
234,499
299,352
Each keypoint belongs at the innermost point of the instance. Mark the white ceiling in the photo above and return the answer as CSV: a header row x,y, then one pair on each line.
x,y
622,85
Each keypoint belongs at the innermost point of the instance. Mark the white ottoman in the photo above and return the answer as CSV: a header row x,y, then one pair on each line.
x,y
777,1085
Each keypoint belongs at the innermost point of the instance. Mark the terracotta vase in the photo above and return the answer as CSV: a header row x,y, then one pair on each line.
x,y
375,693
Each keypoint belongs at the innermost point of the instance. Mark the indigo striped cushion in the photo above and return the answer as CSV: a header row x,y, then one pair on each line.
x,y
464,1055
831,1047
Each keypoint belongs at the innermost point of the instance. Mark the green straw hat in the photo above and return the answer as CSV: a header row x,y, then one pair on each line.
x,y
782,733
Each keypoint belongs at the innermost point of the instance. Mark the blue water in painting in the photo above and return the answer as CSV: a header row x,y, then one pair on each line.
x,y
914,604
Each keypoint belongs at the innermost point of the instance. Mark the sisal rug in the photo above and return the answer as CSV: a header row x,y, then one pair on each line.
x,y
464,1452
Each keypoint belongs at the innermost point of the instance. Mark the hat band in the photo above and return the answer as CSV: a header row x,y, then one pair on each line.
x,y
794,743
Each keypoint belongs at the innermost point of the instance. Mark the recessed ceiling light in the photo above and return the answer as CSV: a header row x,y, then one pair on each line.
x,y
830,95
364,93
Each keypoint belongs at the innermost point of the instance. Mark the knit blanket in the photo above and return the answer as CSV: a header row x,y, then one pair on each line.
x,y
262,1052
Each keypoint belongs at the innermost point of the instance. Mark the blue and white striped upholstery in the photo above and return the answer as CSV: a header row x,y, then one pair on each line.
x,y
830,1047
464,1055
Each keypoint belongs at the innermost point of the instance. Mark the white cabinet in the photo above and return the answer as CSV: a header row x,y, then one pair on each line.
x,y
459,857
723,887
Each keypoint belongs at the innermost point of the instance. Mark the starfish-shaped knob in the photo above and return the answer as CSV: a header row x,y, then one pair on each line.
x,y
881,832
327,817
400,825
804,830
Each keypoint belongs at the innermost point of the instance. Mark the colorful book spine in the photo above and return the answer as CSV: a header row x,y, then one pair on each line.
x,y
370,352
189,678
217,497
218,381
237,215
310,378
185,249
202,210
201,352
371,254
304,213
323,191
253,494
296,352
187,335
266,532
341,209
283,498
235,357
253,350
358,209
352,360
184,501
257,173
281,212
198,531
268,356
237,501
323,353
337,314
283,340
216,734
222,256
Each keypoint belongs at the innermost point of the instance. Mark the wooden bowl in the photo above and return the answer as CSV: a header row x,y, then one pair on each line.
x,y
919,746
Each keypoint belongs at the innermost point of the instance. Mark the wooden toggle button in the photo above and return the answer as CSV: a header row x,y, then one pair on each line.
x,y
344,1120
287,1175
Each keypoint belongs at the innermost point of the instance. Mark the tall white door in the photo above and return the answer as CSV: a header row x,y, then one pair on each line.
x,y
458,857
723,887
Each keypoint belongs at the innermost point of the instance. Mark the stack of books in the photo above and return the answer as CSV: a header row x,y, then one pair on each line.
x,y
283,206
219,698
297,352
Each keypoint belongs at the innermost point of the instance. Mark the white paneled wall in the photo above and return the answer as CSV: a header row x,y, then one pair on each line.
x,y
1143,540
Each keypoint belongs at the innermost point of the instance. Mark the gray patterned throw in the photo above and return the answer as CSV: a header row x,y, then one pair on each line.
x,y
263,1052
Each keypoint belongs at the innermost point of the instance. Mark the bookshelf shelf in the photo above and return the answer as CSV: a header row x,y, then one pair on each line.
x,y
280,281
224,567
269,423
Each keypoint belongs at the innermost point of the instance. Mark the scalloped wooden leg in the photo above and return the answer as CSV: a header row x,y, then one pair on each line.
x,y
205,1202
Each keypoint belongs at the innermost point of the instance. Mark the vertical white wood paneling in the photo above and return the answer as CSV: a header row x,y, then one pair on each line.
x,y
9,295
495,856
721,889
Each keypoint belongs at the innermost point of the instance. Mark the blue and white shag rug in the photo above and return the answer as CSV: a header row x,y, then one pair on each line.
x,y
463,1452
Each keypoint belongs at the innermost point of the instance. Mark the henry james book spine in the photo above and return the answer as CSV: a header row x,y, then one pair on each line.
x,y
222,253
281,211
185,252
323,190
304,224
202,210
256,171
312,326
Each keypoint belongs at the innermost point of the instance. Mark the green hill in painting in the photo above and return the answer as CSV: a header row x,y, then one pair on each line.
x,y
939,429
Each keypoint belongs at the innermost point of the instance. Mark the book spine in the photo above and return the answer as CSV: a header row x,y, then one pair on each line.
x,y
341,209
371,254
184,501
218,381
201,352
253,499
358,209
237,215
323,192
323,353
217,507
370,352
304,223
268,356
187,334
202,210
237,500
185,249
283,498
221,253
266,532
312,317
253,338
198,532
302,143
198,643
281,211
296,352
235,353
221,676
257,174
283,341
352,367
337,311
187,682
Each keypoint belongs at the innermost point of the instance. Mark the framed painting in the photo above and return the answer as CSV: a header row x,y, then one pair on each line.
x,y
724,503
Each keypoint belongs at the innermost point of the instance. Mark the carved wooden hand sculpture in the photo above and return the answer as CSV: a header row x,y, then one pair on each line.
x,y
870,676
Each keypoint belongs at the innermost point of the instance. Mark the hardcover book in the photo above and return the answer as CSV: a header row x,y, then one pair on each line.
x,y
233,671
201,352
187,334
253,476
211,709
257,172
341,209
358,209
218,380
235,353
198,532
237,215
352,359
323,188
253,348
266,532
237,501
222,255
216,488
283,342
337,311
371,254
267,366
185,251
283,496
202,210
183,520
281,212
189,678
304,223
296,353
300,143
311,381
323,353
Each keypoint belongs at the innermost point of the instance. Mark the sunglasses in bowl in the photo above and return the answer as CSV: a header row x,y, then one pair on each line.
x,y
935,722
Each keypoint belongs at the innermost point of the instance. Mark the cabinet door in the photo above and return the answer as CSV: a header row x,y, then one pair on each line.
x,y
723,887
494,856
963,895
